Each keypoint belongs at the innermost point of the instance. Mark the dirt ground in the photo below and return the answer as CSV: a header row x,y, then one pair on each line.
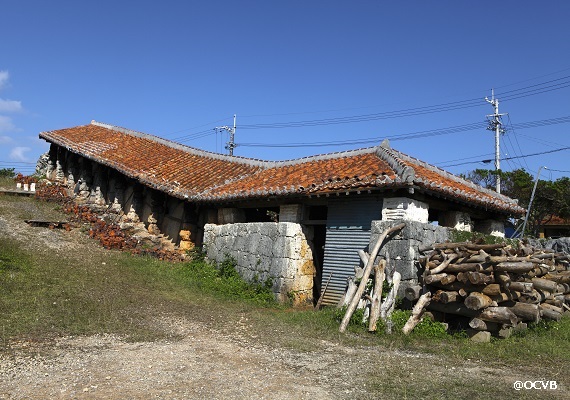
x,y
204,363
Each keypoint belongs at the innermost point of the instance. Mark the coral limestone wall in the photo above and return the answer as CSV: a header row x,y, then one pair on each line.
x,y
279,251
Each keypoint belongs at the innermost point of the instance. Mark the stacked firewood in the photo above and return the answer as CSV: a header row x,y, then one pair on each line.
x,y
496,286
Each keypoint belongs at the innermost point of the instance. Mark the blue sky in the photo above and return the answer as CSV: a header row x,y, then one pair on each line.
x,y
339,74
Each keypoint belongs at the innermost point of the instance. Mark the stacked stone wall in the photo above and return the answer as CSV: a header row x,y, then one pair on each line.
x,y
279,251
401,251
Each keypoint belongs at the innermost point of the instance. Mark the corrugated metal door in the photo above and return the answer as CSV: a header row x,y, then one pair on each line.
x,y
348,230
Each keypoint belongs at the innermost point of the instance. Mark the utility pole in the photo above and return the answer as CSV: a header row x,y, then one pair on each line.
x,y
495,125
231,145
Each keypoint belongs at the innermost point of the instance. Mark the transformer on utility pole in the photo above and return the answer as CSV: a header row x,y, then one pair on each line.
x,y
231,145
495,125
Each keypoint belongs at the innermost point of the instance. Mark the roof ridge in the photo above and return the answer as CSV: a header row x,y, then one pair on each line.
x,y
456,178
187,149
386,153
246,160
325,156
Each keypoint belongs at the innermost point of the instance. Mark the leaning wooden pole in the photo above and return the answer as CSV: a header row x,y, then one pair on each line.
x,y
417,313
377,297
367,271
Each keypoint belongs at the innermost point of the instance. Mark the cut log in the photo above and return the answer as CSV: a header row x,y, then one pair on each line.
x,y
524,287
463,277
479,257
549,313
464,245
358,273
559,277
454,268
441,267
480,325
448,297
477,278
499,314
417,312
429,279
517,267
544,284
477,301
377,297
503,297
363,256
493,289
552,307
500,259
526,312
349,294
413,293
387,307
360,291
448,279
456,286
541,270
502,278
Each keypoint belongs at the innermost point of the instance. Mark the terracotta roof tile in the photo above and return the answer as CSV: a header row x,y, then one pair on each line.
x,y
199,175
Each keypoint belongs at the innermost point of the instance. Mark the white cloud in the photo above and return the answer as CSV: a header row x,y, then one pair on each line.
x,y
6,124
3,78
17,153
6,139
10,105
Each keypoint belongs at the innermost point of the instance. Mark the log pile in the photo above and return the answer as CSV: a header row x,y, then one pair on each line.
x,y
495,286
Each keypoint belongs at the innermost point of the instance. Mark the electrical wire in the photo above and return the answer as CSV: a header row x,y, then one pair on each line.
x,y
531,90
508,158
407,136
543,87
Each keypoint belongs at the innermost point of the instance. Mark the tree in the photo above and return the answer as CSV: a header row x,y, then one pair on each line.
x,y
552,199
7,173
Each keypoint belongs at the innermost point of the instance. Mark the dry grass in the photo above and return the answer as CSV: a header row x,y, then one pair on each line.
x,y
80,289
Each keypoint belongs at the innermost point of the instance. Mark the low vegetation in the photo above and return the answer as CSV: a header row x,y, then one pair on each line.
x,y
45,294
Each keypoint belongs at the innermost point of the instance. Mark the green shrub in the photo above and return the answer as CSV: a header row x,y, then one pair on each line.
x,y
7,173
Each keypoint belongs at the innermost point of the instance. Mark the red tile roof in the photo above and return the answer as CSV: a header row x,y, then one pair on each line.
x,y
198,175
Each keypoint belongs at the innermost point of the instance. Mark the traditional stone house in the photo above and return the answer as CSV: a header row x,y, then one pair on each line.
x,y
298,222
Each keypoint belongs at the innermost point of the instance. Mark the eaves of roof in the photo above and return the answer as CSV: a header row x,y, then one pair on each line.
x,y
202,176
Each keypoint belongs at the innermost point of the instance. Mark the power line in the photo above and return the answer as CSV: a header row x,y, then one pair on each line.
x,y
531,90
408,136
507,158
555,84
